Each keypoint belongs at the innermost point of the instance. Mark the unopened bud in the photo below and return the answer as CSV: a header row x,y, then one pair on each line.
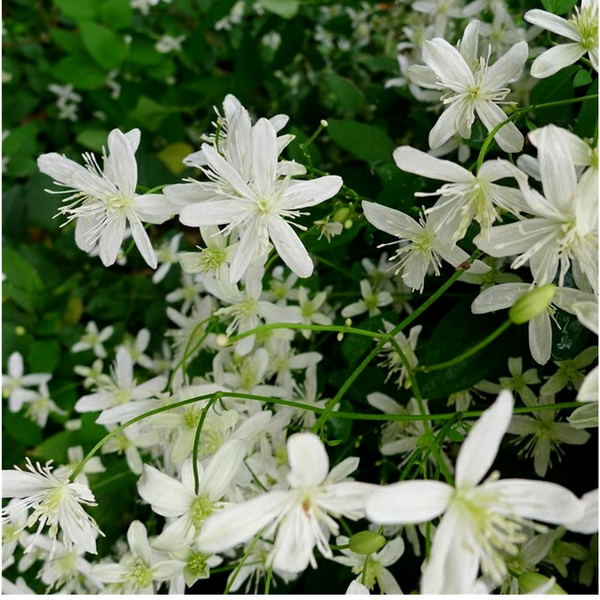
x,y
532,304
340,336
366,542
348,322
535,582
20,330
348,224
324,123
222,340
341,214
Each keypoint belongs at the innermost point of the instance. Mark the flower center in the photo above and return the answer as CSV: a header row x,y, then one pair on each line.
x,y
586,22
197,565
140,574
202,508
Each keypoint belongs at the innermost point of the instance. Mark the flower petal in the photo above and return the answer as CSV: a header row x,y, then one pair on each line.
x,y
480,447
309,463
408,502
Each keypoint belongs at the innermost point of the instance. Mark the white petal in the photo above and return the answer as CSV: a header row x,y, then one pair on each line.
x,y
111,239
552,23
289,247
414,161
167,496
454,561
508,137
538,500
211,212
480,447
120,166
588,523
137,538
222,469
237,524
264,157
391,221
142,241
540,338
555,59
408,502
507,68
309,463
447,63
302,194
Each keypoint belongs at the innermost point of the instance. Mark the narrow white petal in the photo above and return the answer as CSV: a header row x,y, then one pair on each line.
x,y
555,59
222,469
302,194
507,68
552,23
391,221
211,212
264,157
414,161
120,165
538,500
167,496
289,247
111,239
237,524
408,502
309,463
137,538
447,63
508,137
540,338
480,447
142,241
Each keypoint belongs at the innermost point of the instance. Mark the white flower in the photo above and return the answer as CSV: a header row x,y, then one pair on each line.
x,y
55,501
425,249
482,521
93,339
471,86
168,43
104,201
15,383
259,208
186,507
541,435
166,255
375,566
246,308
564,229
119,397
466,196
505,295
371,301
299,518
140,567
581,28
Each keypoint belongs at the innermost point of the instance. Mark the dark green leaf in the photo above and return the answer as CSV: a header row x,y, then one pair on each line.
x,y
559,7
366,142
78,10
81,72
105,46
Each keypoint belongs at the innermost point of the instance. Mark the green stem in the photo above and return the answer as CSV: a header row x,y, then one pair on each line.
x,y
458,359
242,561
364,363
215,397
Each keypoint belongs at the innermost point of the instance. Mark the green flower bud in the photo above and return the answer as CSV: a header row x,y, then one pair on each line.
x,y
341,214
530,581
366,542
348,223
532,304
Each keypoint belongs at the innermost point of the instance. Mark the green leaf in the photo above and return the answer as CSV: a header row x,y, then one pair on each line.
x,y
366,142
21,429
559,7
43,356
284,8
22,283
344,93
93,139
69,41
105,46
456,333
149,113
81,72
354,347
116,13
582,78
78,10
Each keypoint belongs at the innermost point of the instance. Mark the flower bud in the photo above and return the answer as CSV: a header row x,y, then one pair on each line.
x,y
366,542
341,214
530,582
348,224
532,304
222,340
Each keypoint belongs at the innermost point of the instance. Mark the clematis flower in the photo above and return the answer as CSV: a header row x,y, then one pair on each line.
x,y
581,28
482,521
425,249
259,206
55,501
563,232
466,196
103,201
470,86
299,518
